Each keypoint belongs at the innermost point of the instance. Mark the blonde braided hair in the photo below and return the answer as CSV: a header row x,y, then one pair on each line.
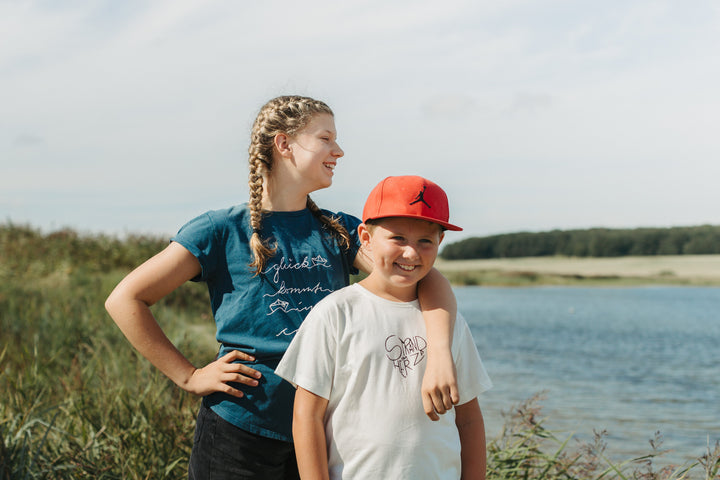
x,y
287,115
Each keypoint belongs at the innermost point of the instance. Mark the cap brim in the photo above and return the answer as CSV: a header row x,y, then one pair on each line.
x,y
445,225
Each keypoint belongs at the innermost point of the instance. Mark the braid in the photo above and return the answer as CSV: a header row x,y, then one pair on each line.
x,y
331,223
261,250
288,115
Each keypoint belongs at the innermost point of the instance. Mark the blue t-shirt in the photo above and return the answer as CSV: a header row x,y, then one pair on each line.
x,y
260,314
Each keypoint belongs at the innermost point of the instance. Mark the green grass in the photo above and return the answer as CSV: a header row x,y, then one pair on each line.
x,y
699,270
77,401
527,278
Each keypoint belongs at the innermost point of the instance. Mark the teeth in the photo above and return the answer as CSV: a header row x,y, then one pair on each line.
x,y
407,268
331,166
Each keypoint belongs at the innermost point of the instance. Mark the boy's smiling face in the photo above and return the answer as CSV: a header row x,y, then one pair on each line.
x,y
403,251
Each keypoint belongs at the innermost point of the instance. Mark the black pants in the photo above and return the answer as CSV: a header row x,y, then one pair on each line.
x,y
223,451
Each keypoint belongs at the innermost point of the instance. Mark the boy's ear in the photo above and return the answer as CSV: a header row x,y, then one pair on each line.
x,y
282,144
442,235
364,235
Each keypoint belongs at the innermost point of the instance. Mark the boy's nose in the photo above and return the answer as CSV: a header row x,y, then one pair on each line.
x,y
411,253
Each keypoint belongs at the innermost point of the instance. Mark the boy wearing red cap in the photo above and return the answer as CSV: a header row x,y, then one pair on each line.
x,y
359,357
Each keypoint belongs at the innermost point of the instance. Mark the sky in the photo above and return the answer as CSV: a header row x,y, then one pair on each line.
x,y
133,117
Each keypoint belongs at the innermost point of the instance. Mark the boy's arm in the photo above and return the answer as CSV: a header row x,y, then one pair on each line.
x,y
439,307
471,427
309,435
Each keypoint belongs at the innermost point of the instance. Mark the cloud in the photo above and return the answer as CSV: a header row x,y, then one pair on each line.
x,y
449,105
511,105
531,101
27,140
32,34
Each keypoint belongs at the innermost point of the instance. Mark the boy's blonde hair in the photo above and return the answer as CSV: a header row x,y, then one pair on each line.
x,y
282,115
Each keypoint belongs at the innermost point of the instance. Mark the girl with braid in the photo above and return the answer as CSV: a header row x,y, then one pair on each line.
x,y
266,264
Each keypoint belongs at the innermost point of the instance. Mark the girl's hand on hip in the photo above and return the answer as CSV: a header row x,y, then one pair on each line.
x,y
217,376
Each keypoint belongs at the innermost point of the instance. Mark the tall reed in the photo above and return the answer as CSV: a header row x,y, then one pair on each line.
x,y
77,402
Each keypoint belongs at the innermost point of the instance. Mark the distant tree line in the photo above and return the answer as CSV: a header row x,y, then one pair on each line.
x,y
594,242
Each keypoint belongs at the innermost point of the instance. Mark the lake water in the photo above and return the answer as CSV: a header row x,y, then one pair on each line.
x,y
632,361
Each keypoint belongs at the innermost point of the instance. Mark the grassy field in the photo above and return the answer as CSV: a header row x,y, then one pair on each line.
x,y
76,402
672,270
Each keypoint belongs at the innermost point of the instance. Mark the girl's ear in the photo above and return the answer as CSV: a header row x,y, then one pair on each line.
x,y
282,145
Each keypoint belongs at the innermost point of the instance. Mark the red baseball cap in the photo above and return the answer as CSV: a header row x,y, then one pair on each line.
x,y
409,196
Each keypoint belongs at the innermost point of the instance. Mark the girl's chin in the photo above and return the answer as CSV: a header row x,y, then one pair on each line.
x,y
322,185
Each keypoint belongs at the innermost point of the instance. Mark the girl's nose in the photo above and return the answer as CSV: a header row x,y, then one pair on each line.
x,y
337,152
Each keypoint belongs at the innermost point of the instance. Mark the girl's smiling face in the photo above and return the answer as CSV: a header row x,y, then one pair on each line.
x,y
315,151
403,251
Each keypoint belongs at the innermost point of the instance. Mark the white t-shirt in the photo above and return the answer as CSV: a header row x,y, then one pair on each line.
x,y
366,355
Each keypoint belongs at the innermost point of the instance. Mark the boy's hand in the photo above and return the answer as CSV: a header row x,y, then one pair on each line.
x,y
216,376
439,386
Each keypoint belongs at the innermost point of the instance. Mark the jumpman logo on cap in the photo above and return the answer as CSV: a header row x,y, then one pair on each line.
x,y
420,198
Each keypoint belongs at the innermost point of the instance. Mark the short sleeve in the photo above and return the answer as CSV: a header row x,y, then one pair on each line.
x,y
473,379
351,224
199,237
309,361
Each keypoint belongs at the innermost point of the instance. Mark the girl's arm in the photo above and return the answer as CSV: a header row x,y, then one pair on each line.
x,y
439,307
363,261
129,306
471,428
309,435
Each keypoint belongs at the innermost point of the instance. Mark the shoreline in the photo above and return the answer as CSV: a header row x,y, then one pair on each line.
x,y
699,270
